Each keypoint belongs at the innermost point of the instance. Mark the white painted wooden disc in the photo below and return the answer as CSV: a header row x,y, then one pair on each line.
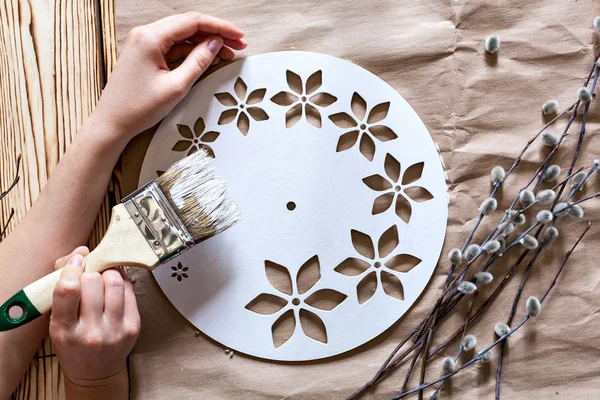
x,y
272,165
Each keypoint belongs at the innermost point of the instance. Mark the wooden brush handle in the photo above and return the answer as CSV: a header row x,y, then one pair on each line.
x,y
123,244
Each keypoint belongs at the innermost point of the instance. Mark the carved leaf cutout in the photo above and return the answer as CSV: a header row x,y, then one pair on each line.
x,y
284,99
367,147
382,203
325,299
313,116
293,115
227,116
362,244
352,267
382,133
359,106
392,168
199,127
413,173
206,148
294,82
343,120
185,131
243,123
226,99
377,182
308,275
402,262
240,88
182,145
256,96
312,326
314,82
366,287
210,136
323,99
388,241
403,208
258,114
347,140
279,277
379,112
193,149
266,304
418,194
392,286
283,329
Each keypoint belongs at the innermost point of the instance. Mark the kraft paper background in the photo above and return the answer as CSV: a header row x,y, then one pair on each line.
x,y
481,110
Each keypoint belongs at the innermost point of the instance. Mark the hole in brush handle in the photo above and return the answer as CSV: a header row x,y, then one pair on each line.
x,y
17,311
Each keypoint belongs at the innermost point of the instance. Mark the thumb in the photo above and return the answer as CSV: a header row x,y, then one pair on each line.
x,y
199,59
83,250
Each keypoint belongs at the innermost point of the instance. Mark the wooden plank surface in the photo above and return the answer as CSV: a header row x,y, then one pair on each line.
x,y
55,56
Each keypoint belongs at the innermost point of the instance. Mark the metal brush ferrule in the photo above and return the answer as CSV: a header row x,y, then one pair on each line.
x,y
157,221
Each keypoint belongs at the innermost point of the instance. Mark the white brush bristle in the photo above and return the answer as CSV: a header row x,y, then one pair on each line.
x,y
198,196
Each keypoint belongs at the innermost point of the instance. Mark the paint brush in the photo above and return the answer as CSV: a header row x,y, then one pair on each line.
x,y
160,220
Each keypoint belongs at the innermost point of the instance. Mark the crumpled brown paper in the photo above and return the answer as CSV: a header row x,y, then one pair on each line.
x,y
481,111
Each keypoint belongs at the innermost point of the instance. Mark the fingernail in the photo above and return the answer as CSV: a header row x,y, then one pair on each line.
x,y
214,45
76,260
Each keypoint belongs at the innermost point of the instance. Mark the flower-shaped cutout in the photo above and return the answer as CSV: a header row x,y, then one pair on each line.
x,y
304,100
399,188
378,267
242,105
364,126
296,300
197,139
179,272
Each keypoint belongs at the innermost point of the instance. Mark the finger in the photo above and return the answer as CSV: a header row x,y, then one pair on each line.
x,y
131,314
197,61
83,250
67,292
113,296
216,60
238,44
182,26
91,306
179,52
226,53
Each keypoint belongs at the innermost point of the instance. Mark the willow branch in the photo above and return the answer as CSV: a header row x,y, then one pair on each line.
x,y
15,180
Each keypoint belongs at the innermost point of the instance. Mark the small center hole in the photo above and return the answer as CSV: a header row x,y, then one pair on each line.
x,y
363,126
377,264
242,106
296,302
303,98
16,311
397,188
291,206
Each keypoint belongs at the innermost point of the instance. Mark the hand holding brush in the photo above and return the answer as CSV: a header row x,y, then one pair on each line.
x,y
160,220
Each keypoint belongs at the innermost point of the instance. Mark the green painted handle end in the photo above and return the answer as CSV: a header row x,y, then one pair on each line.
x,y
21,301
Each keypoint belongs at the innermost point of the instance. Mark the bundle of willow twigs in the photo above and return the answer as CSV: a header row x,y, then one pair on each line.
x,y
529,225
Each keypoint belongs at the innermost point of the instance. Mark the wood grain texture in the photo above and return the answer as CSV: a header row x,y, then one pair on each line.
x,y
54,60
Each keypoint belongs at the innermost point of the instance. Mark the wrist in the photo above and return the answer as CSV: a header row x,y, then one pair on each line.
x,y
101,134
115,386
